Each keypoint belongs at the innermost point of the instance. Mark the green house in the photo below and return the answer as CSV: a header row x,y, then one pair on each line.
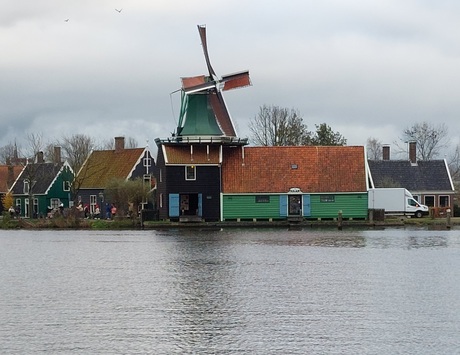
x,y
42,187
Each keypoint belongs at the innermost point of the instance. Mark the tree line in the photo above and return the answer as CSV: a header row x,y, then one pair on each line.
x,y
271,126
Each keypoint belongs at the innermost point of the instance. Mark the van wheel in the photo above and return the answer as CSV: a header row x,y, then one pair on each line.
x,y
418,214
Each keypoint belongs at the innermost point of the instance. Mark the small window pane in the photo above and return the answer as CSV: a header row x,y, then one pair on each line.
x,y
190,172
262,199
327,198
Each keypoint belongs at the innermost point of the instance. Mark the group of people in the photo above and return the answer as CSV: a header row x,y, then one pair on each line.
x,y
14,212
110,211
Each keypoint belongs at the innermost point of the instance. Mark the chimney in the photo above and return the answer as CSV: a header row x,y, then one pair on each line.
x,y
413,152
119,144
386,152
57,155
39,158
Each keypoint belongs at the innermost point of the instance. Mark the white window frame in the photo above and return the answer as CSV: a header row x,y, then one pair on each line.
x,y
66,185
19,204
187,167
26,188
92,203
54,203
35,208
430,196
26,208
444,196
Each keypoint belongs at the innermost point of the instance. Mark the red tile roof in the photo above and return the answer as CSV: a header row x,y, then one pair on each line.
x,y
103,165
278,169
4,176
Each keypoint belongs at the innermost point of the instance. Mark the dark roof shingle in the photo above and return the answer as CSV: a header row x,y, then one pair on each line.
x,y
430,175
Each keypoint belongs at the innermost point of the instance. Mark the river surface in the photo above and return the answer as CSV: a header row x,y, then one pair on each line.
x,y
254,291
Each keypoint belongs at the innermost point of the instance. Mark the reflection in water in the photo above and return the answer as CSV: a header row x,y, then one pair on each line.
x,y
265,291
427,242
203,277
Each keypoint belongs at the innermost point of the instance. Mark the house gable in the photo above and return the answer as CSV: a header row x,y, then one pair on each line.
x,y
430,175
103,165
42,174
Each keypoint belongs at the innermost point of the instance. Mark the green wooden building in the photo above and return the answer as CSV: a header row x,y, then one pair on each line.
x,y
309,182
42,187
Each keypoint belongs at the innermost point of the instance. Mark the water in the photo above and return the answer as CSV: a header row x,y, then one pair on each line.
x,y
393,291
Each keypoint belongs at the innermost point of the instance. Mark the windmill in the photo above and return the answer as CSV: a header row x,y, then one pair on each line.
x,y
203,109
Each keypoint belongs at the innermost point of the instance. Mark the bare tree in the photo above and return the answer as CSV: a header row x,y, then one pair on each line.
x,y
35,144
276,126
7,152
374,149
430,139
76,149
454,166
33,171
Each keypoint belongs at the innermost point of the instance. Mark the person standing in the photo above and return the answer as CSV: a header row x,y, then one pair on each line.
x,y
113,211
107,211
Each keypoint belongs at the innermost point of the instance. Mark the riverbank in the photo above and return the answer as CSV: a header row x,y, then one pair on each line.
x,y
118,224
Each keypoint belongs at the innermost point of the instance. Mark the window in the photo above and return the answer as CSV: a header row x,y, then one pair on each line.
x,y
66,186
148,180
26,208
147,162
18,205
26,186
327,198
35,207
92,203
429,201
444,201
263,199
55,202
190,172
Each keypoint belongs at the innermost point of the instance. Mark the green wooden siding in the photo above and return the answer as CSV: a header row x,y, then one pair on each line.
x,y
351,205
245,207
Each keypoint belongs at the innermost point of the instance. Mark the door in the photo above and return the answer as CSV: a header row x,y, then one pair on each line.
x,y
190,204
173,205
295,205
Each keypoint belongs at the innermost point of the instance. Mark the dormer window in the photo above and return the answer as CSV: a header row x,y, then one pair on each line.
x,y
190,172
26,186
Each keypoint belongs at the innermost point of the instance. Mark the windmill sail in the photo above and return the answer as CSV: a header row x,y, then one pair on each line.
x,y
203,110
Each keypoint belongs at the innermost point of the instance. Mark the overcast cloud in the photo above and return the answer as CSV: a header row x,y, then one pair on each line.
x,y
366,68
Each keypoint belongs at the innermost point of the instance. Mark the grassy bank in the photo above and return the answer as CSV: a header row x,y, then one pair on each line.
x,y
7,222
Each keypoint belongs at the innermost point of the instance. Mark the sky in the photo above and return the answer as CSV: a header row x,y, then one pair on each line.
x,y
365,68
